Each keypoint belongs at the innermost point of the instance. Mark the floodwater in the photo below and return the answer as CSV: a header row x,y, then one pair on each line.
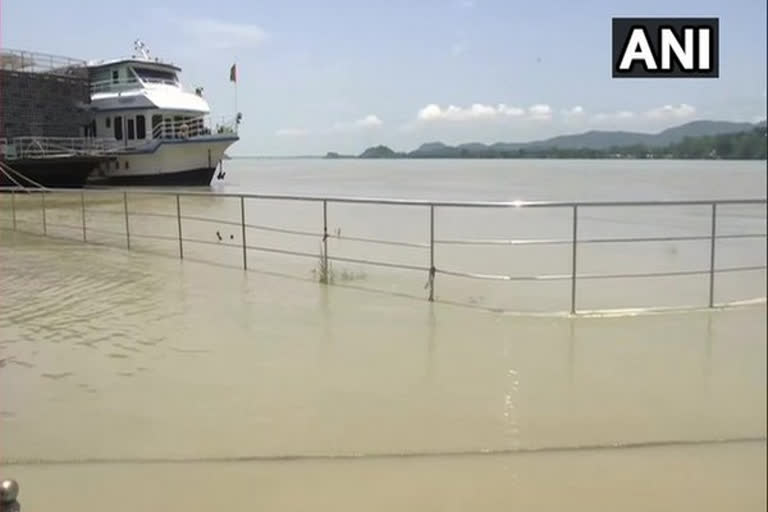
x,y
132,379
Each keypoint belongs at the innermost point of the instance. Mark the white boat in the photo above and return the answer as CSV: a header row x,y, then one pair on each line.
x,y
163,134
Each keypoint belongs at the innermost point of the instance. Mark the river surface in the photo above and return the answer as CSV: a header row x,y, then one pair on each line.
x,y
136,380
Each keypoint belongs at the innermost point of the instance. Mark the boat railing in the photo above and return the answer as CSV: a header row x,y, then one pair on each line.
x,y
160,81
228,124
181,212
48,147
192,127
131,83
115,85
35,62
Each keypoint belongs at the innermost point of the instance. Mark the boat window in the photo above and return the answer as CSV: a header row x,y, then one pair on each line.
x,y
119,127
108,122
131,129
115,76
156,76
141,127
157,120
100,76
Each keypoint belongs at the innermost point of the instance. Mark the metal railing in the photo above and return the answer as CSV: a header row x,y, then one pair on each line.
x,y
191,127
573,276
182,128
188,128
161,81
132,83
48,147
16,148
115,85
36,62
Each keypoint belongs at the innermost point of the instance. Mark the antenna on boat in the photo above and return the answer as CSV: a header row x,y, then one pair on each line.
x,y
141,48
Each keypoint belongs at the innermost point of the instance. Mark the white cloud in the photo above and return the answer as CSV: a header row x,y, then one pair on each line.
x,y
614,116
369,121
540,112
291,132
681,111
477,111
223,34
578,110
574,114
510,111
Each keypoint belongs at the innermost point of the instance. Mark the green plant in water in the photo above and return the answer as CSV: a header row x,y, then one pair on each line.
x,y
325,270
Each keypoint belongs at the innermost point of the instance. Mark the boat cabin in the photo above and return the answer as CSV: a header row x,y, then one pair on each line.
x,y
138,100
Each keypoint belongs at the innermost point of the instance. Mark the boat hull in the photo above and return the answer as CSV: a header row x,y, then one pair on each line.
x,y
185,178
175,162
57,172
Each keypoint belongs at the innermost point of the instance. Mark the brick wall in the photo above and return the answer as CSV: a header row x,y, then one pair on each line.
x,y
42,105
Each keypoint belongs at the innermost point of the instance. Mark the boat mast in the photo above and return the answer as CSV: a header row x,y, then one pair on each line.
x,y
141,49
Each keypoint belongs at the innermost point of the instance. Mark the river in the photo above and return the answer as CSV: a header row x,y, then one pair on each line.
x,y
132,379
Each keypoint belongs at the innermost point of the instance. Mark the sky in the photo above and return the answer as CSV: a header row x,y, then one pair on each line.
x,y
344,75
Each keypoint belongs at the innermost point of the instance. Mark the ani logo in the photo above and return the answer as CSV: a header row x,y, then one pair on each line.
x,y
665,48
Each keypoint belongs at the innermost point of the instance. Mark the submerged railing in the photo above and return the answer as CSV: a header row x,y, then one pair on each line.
x,y
432,271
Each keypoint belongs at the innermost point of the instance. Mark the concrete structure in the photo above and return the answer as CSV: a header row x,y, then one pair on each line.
x,y
42,96
46,132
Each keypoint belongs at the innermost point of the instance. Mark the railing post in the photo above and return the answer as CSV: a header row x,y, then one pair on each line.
x,y
431,281
574,241
325,236
82,213
178,219
13,208
712,241
42,203
127,224
242,223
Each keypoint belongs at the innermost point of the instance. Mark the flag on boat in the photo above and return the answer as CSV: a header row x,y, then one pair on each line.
x,y
233,73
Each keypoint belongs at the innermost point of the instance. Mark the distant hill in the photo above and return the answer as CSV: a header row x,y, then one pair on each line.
x,y
750,143
591,140
436,150
608,139
699,129
594,140
334,155
380,152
